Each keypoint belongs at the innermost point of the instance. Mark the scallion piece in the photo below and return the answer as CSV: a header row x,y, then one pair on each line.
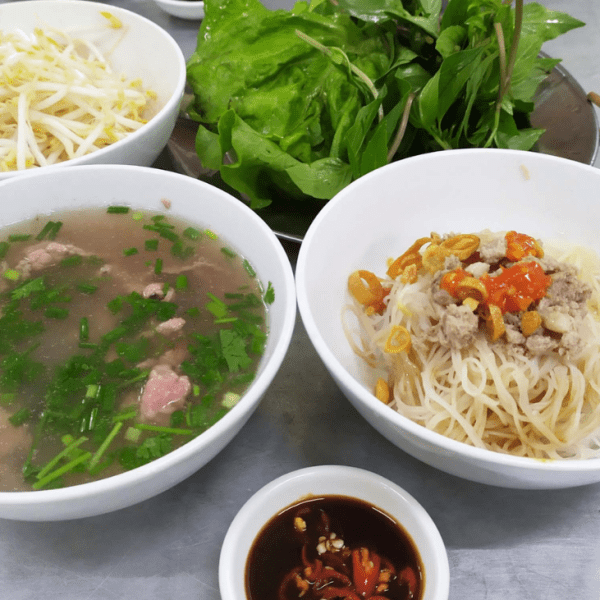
x,y
228,252
86,288
4,246
191,233
19,237
117,210
84,329
130,251
158,266
64,452
61,471
151,244
11,275
105,444
54,312
161,429
249,268
181,283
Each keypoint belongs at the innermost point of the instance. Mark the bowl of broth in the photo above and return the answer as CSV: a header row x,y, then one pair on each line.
x,y
333,531
144,314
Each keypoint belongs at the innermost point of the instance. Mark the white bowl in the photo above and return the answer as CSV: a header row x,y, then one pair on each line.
x,y
184,9
146,51
142,187
333,481
381,214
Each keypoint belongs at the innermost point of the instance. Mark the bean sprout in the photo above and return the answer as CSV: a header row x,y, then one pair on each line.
x,y
60,99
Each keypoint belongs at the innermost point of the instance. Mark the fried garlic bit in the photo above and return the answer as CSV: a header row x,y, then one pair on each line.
x,y
433,257
60,99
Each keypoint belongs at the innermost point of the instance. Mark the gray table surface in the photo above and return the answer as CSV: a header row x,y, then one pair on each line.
x,y
502,544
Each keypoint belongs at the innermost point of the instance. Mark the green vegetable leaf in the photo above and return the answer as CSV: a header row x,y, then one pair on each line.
x,y
234,350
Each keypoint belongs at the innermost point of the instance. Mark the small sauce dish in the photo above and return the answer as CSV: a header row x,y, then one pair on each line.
x,y
292,522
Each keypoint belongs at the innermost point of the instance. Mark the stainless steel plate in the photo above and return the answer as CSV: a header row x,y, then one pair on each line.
x,y
561,108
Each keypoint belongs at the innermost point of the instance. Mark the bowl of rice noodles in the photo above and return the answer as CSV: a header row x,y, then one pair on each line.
x,y
454,298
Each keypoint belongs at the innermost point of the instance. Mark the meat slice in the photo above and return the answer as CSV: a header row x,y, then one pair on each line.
x,y
165,392
45,255
171,326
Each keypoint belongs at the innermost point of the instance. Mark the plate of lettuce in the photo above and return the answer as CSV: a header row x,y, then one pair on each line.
x,y
293,105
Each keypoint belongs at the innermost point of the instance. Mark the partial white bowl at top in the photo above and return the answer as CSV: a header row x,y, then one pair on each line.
x,y
139,49
41,193
184,9
381,215
332,480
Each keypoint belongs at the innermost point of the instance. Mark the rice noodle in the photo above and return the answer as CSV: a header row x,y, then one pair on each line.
x,y
60,99
496,395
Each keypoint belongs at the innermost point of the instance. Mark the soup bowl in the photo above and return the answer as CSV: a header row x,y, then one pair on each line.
x,y
380,215
138,50
316,482
88,186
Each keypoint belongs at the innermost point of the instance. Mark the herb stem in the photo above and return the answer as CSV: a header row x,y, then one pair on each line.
x,y
61,471
105,444
160,429
360,74
50,465
402,129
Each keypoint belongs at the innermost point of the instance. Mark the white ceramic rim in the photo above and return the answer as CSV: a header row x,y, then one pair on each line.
x,y
172,103
310,477
256,389
198,4
446,445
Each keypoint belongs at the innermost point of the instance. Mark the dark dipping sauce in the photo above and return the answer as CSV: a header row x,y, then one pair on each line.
x,y
334,547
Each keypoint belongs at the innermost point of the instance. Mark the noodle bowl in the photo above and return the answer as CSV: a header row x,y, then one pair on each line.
x,y
462,367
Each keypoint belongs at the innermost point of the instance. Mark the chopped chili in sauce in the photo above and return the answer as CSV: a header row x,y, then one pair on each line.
x,y
333,547
516,287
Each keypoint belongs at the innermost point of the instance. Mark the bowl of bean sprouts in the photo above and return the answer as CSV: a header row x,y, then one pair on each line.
x,y
84,82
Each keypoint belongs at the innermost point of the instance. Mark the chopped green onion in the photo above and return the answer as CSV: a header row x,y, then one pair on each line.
x,y
86,288
127,413
160,429
53,312
19,237
84,329
4,246
158,266
181,283
228,252
61,471
230,399
132,434
72,261
130,251
88,346
117,210
151,244
192,233
11,275
71,445
105,444
249,268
